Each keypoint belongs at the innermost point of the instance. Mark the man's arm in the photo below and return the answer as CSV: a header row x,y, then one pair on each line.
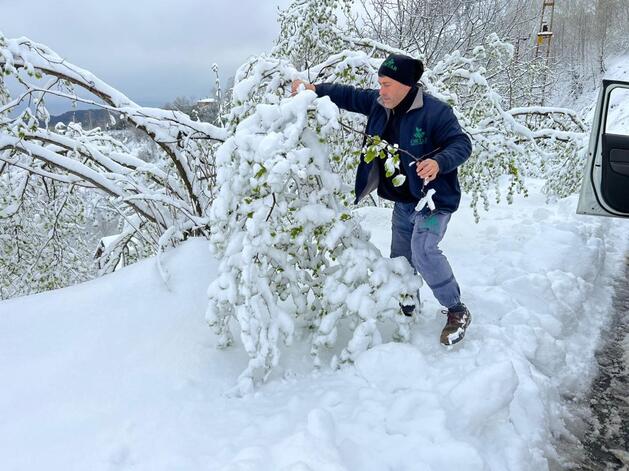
x,y
456,145
356,100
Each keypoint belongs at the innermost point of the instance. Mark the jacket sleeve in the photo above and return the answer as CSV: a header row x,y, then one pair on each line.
x,y
456,145
356,100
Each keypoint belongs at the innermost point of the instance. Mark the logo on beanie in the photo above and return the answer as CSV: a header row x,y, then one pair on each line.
x,y
390,63
419,137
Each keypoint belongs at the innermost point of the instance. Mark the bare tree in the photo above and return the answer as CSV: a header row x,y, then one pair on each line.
x,y
433,28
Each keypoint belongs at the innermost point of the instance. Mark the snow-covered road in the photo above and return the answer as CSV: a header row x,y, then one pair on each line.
x,y
121,372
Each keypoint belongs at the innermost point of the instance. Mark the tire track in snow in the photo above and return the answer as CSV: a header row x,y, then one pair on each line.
x,y
602,429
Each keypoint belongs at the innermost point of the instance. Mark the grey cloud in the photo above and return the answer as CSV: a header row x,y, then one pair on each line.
x,y
151,51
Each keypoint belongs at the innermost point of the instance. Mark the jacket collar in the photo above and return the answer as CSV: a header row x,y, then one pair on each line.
x,y
418,102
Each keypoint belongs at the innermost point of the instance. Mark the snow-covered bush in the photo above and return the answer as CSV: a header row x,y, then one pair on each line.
x,y
43,242
548,142
504,144
562,140
289,248
310,31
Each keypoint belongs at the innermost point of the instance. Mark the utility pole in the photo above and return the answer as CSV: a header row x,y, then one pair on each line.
x,y
544,37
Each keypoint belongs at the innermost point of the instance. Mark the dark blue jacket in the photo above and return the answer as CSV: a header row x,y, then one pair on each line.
x,y
427,125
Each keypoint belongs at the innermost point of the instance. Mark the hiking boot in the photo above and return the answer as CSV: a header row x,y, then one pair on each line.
x,y
459,318
408,310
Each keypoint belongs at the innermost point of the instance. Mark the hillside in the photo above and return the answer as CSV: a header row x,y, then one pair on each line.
x,y
89,119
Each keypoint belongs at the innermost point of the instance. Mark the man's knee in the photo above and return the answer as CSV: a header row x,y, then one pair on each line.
x,y
424,250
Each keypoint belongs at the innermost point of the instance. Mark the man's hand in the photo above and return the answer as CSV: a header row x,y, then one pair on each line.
x,y
427,170
294,88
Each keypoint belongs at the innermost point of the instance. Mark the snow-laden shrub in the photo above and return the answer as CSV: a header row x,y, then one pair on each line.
x,y
505,143
563,138
547,142
309,31
43,235
289,249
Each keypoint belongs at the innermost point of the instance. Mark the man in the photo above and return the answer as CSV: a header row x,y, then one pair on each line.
x,y
432,146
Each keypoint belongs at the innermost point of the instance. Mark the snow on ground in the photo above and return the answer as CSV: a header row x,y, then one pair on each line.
x,y
121,372
617,68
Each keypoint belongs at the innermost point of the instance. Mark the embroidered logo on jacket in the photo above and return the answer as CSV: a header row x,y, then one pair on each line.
x,y
419,137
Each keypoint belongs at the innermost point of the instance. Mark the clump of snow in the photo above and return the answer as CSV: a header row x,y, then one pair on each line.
x,y
426,201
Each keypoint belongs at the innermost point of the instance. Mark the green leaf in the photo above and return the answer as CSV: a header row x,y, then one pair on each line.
x,y
260,172
370,155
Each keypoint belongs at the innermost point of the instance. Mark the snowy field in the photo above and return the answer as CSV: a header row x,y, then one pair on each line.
x,y
121,372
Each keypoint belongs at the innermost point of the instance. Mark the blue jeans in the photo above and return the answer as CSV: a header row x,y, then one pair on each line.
x,y
416,235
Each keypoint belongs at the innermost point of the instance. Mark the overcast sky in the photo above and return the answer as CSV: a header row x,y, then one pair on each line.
x,y
153,51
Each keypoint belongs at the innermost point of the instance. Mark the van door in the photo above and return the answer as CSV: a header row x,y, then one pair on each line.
x,y
605,186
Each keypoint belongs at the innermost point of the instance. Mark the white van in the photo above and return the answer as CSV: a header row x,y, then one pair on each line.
x,y
605,186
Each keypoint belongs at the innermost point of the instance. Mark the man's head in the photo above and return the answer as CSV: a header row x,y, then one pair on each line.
x,y
392,92
396,76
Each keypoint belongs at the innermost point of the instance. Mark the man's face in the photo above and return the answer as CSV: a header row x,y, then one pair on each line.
x,y
392,92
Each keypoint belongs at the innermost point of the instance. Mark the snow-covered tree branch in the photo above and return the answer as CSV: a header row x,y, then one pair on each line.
x,y
170,192
176,133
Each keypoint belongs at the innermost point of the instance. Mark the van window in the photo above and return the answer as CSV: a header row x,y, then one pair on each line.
x,y
618,115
